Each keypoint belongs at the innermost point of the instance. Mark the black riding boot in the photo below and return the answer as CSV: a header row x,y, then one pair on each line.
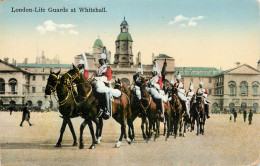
x,y
207,110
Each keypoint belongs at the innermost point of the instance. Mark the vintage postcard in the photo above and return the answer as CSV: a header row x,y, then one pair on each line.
x,y
129,82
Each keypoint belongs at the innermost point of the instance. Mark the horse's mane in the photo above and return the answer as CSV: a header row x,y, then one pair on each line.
x,y
126,89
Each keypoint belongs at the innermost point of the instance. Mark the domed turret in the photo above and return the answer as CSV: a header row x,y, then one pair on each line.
x,y
98,42
124,54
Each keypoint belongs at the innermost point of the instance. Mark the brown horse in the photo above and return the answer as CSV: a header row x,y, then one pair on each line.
x,y
150,112
178,112
120,107
67,105
201,115
133,111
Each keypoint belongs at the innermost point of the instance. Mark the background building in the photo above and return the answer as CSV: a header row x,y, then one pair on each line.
x,y
25,82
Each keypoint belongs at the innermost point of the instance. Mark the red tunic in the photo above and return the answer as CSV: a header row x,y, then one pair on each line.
x,y
108,73
86,73
205,91
160,81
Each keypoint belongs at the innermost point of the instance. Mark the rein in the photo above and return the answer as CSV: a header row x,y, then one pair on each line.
x,y
150,101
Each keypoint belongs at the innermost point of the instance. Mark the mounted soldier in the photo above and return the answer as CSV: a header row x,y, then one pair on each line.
x,y
190,96
181,93
155,88
102,78
83,66
138,79
203,92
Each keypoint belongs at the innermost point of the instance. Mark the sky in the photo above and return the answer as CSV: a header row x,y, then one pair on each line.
x,y
201,33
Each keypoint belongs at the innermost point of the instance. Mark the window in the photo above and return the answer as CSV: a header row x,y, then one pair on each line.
x,y
243,86
43,89
34,78
215,105
255,106
232,90
231,106
243,105
33,89
210,80
13,82
191,80
209,91
255,90
43,78
232,86
39,103
2,86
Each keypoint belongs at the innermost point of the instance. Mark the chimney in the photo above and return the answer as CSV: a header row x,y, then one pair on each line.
x,y
25,60
138,58
6,60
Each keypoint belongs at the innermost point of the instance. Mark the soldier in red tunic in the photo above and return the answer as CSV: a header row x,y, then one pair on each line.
x,y
103,76
203,92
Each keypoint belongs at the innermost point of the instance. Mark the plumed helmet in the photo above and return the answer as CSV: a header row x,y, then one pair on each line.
x,y
102,56
178,77
139,69
156,67
201,83
191,86
81,62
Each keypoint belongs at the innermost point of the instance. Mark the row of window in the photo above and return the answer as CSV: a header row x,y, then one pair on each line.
x,y
34,78
191,80
243,105
12,83
34,89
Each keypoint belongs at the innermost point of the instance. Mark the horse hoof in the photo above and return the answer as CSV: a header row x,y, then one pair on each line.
x,y
95,142
166,139
75,144
99,140
81,146
133,140
148,141
180,134
92,147
118,144
58,145
128,141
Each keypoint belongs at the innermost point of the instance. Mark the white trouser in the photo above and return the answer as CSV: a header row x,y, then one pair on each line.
x,y
137,92
157,95
182,96
102,88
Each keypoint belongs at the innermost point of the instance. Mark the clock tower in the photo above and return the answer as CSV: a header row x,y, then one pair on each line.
x,y
124,55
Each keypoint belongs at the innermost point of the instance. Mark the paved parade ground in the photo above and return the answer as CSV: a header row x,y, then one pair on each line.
x,y
224,143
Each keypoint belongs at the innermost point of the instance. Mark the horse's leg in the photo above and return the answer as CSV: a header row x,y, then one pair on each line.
x,y
82,126
62,129
180,128
184,127
142,127
151,122
157,129
94,141
147,127
198,121
175,123
100,126
164,127
75,143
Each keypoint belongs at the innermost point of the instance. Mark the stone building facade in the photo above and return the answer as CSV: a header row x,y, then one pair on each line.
x,y
235,88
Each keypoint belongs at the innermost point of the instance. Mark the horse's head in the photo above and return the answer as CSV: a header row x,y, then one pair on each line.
x,y
73,75
118,84
53,81
200,102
